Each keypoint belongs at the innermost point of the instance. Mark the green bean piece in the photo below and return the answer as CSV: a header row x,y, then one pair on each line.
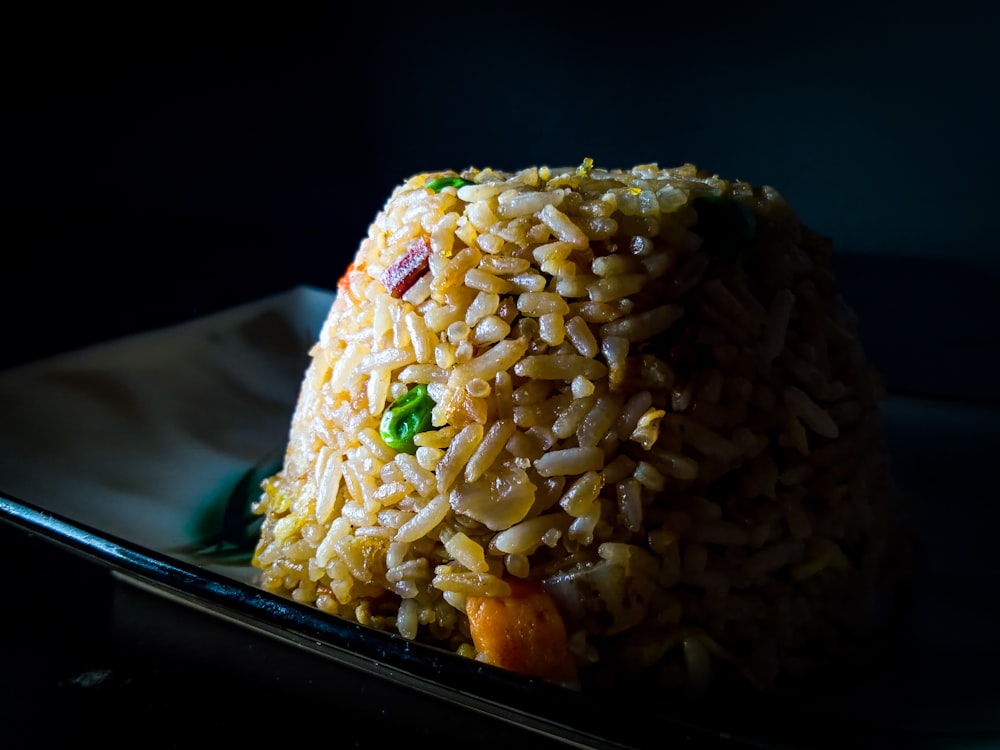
x,y
442,182
408,415
726,225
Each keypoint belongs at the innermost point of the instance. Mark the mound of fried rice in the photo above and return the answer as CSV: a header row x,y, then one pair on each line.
x,y
651,411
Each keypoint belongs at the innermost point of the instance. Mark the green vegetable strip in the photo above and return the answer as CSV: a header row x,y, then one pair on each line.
x,y
408,416
442,182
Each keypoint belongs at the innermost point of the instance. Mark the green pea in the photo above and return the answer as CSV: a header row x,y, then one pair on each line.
x,y
726,225
408,415
442,182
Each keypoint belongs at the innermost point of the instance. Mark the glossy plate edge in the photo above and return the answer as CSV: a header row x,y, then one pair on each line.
x,y
471,685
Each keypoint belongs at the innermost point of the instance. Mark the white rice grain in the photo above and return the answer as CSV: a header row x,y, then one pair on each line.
x,y
457,456
424,521
812,415
525,537
568,461
489,448
559,367
562,226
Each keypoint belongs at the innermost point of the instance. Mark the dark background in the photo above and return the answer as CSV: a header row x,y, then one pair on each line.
x,y
165,162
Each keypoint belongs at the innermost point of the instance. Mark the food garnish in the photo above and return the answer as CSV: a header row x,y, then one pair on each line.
x,y
439,183
408,416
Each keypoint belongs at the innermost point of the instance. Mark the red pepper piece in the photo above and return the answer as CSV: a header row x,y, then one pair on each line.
x,y
404,273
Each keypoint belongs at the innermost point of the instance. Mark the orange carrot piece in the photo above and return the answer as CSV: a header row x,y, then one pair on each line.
x,y
344,286
523,632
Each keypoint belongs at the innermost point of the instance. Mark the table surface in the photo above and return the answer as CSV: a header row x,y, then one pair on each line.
x,y
87,656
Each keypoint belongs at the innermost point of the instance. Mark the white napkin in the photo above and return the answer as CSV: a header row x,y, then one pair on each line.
x,y
143,438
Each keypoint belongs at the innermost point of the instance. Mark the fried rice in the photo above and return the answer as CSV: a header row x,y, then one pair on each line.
x,y
586,423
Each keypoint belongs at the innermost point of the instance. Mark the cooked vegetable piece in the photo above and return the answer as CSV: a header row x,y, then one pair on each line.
x,y
408,416
442,182
403,274
523,632
725,224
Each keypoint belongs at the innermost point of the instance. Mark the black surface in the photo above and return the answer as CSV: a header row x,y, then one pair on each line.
x,y
161,164
91,658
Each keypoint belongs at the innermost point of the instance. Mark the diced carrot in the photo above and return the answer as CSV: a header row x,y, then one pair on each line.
x,y
523,632
344,286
